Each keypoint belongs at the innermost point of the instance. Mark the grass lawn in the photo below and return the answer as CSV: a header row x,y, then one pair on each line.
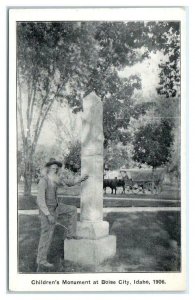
x,y
146,242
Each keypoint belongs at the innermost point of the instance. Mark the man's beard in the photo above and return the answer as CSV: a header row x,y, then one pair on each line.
x,y
53,178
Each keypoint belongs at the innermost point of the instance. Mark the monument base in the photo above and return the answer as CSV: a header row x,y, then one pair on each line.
x,y
90,252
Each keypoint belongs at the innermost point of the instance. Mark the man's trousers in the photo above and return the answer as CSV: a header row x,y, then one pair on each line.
x,y
66,215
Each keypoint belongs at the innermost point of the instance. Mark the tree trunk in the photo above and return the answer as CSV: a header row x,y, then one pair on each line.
x,y
153,180
28,174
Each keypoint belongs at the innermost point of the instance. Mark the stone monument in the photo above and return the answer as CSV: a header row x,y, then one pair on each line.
x,y
95,244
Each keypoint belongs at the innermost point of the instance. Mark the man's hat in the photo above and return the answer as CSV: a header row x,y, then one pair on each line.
x,y
53,161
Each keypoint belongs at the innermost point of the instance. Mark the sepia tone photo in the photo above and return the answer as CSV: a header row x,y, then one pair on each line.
x,y
98,145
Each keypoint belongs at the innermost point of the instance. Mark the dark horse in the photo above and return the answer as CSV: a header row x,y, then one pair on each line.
x,y
113,184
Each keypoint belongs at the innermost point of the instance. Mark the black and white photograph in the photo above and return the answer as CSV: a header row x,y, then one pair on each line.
x,y
98,152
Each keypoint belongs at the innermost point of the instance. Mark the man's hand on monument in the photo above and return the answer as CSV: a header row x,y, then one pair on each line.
x,y
85,177
51,219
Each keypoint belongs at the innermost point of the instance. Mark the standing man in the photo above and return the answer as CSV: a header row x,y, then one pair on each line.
x,y
51,211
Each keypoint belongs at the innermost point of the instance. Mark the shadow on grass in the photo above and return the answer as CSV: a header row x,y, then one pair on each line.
x,y
146,242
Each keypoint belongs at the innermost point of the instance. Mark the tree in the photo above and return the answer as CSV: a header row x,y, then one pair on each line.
x,y
68,60
47,56
169,108
117,156
20,161
167,38
118,108
152,144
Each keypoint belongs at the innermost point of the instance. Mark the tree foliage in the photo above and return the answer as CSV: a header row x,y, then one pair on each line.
x,y
117,156
166,37
152,144
68,60
72,160
170,108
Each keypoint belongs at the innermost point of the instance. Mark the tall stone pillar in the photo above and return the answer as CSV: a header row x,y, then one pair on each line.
x,y
95,244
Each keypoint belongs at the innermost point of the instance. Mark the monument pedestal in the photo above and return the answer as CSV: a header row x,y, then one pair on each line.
x,y
90,251
94,246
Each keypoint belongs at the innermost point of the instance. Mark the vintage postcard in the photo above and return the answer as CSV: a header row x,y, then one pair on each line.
x,y
97,170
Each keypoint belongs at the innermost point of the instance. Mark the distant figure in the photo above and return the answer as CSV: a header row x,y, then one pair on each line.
x,y
52,212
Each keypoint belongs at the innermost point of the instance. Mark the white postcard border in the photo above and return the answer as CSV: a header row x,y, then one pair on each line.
x,y
175,281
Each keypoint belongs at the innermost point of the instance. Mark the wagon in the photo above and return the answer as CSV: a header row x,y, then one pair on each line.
x,y
143,180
